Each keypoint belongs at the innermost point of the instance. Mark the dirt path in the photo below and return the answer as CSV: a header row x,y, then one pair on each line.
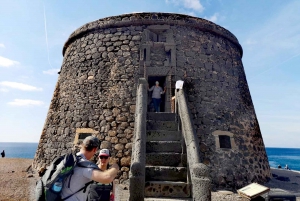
x,y
17,181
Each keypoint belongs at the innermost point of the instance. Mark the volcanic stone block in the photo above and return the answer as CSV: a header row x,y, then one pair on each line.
x,y
164,146
166,173
160,135
161,116
162,125
166,159
167,189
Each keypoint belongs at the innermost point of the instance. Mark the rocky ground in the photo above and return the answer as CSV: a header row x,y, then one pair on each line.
x,y
17,182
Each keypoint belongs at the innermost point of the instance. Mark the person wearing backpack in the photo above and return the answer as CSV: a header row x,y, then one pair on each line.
x,y
99,191
84,175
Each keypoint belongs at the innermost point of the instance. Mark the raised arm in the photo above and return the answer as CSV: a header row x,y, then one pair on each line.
x,y
151,89
106,176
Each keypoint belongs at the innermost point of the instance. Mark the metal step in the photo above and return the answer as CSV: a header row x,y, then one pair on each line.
x,y
168,189
163,135
166,173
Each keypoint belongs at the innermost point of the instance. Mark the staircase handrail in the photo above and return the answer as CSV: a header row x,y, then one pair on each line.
x,y
138,158
199,172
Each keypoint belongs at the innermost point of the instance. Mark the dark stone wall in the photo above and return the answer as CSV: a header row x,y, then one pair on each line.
x,y
97,85
96,89
219,100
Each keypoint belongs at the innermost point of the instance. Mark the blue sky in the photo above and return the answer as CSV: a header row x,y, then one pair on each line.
x,y
32,35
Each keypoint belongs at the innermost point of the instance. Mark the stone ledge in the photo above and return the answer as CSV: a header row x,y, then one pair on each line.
x,y
153,18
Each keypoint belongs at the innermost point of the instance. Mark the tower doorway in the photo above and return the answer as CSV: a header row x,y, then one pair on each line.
x,y
162,84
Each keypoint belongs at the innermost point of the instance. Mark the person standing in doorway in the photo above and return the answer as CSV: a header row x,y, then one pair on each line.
x,y
156,95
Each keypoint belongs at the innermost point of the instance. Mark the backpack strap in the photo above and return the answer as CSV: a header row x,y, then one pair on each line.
x,y
83,164
87,164
83,188
70,178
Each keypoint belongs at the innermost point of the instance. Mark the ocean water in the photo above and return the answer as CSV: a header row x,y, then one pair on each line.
x,y
284,156
18,149
276,156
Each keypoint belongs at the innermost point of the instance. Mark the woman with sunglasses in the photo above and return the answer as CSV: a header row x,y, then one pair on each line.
x,y
98,191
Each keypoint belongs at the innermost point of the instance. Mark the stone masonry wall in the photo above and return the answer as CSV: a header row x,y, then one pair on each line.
x,y
96,91
219,100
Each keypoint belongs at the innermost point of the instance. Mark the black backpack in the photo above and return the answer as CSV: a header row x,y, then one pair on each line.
x,y
49,187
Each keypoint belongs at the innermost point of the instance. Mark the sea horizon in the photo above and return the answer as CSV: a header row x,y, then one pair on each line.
x,y
276,155
19,149
265,147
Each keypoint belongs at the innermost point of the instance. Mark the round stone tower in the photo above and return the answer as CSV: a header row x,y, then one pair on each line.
x,y
96,91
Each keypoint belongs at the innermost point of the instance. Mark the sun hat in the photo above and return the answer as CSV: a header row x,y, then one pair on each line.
x,y
104,152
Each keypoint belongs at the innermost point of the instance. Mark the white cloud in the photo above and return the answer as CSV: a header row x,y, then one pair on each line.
x,y
25,102
213,18
250,42
20,86
193,4
192,14
2,45
5,62
52,71
4,90
189,4
126,13
24,77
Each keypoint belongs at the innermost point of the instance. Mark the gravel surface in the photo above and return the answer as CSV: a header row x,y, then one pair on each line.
x,y
17,180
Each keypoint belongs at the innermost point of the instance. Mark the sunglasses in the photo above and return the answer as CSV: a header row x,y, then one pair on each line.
x,y
103,157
